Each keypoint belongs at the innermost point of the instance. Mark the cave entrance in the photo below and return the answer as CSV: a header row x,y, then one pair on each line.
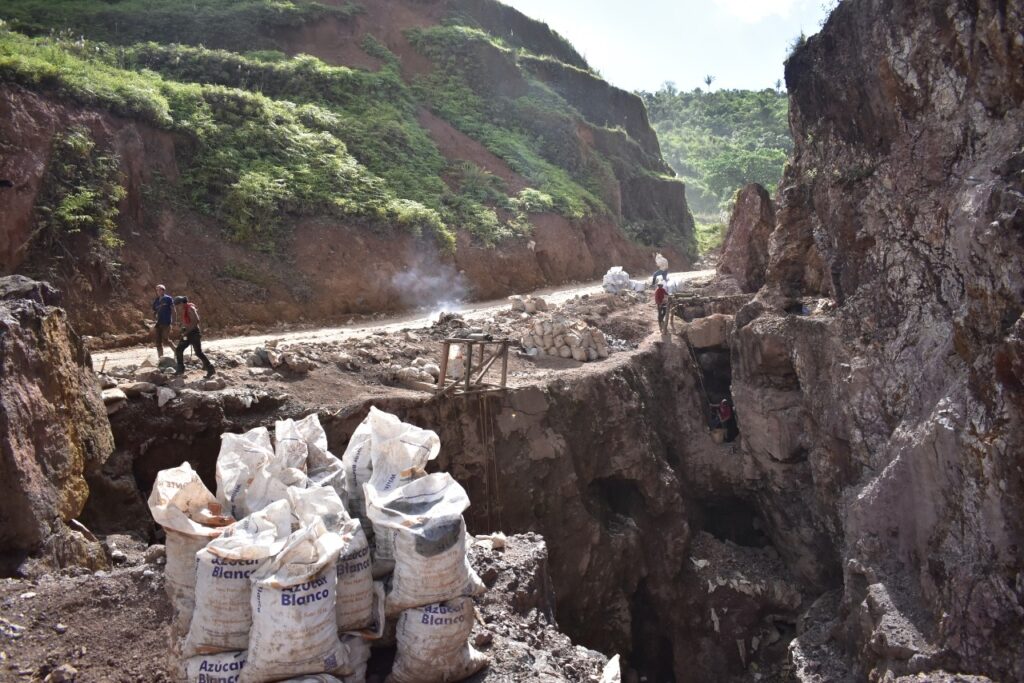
x,y
731,519
715,368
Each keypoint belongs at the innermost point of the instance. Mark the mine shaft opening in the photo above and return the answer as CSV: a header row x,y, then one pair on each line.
x,y
715,367
615,501
731,519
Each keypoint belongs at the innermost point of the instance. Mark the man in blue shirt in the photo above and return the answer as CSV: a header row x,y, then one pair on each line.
x,y
163,308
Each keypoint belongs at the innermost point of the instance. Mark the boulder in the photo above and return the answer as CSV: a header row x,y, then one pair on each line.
x,y
745,248
136,389
709,332
53,422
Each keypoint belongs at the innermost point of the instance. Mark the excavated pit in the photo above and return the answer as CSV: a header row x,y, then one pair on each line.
x,y
660,549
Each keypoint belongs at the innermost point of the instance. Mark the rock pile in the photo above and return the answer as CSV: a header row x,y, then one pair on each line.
x,y
273,579
565,339
528,304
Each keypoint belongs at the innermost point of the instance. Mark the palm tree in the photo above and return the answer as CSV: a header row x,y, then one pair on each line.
x,y
708,80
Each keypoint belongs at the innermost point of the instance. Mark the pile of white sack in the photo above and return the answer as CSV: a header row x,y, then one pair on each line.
x,y
528,304
617,280
294,567
565,339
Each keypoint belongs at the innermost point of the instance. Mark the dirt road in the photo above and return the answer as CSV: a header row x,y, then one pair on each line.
x,y
420,319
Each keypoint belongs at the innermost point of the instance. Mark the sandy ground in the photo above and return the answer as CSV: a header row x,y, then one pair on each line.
x,y
109,360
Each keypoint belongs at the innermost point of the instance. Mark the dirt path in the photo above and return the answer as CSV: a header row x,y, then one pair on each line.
x,y
554,295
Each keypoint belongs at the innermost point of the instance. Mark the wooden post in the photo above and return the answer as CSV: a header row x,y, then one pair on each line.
x,y
504,363
469,363
442,376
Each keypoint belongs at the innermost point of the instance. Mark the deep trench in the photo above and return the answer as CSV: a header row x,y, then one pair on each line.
x,y
731,517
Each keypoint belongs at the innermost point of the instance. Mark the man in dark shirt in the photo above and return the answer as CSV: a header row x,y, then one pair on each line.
x,y
163,309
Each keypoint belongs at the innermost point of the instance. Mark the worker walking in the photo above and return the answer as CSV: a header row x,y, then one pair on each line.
x,y
190,336
661,301
163,310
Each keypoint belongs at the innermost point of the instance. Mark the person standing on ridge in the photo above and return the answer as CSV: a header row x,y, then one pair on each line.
x,y
190,336
661,301
163,309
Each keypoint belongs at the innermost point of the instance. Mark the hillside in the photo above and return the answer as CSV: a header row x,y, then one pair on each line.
x,y
718,142
288,159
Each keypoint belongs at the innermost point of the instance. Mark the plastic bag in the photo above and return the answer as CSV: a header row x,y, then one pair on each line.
x,y
431,564
294,626
216,668
223,616
251,474
355,581
433,644
191,517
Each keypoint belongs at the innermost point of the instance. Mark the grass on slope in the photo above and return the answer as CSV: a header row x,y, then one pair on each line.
x,y
534,133
256,159
231,24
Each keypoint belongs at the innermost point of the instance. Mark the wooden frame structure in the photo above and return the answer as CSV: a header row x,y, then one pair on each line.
x,y
472,382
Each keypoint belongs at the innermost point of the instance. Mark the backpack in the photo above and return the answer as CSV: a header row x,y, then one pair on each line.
x,y
190,312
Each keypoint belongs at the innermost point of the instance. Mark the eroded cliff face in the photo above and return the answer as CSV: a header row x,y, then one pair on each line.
x,y
901,233
53,430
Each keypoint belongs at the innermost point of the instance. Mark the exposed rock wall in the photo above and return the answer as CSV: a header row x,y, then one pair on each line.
x,y
904,206
745,249
53,426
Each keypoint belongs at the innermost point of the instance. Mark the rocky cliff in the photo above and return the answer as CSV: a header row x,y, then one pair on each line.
x,y
53,430
884,352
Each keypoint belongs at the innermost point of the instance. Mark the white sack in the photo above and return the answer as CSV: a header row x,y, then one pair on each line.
x,y
216,668
661,261
191,517
431,564
355,581
358,466
358,657
294,629
612,672
433,644
250,475
399,452
222,616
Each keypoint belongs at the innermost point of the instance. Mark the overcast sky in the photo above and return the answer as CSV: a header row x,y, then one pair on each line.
x,y
641,44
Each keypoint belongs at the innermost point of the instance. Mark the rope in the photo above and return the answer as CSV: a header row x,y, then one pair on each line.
x,y
491,483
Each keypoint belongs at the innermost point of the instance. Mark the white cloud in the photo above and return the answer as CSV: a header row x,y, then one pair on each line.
x,y
753,11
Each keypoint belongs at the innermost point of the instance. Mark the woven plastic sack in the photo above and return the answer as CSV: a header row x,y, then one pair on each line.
x,y
431,563
216,668
294,627
251,474
222,616
433,644
355,581
191,517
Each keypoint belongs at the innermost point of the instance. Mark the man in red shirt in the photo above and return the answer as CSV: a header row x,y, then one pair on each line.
x,y
661,301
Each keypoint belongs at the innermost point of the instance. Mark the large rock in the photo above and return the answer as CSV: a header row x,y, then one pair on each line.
x,y
745,249
709,332
904,204
53,424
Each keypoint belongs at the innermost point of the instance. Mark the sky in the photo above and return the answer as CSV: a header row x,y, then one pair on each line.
x,y
641,44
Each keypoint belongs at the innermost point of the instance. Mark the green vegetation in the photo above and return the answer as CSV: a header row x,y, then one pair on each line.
x,y
80,194
267,137
232,24
719,141
532,132
256,159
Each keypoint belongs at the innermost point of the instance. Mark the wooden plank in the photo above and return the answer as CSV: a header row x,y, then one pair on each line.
x,y
504,364
443,376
